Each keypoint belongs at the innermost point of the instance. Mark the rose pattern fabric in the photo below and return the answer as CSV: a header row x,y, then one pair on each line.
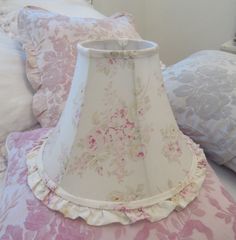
x,y
130,194
22,217
50,42
172,149
202,92
115,137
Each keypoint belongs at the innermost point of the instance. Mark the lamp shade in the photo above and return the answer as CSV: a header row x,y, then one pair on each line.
x,y
116,154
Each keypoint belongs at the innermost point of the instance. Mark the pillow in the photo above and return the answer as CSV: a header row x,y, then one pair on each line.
x,y
9,10
50,41
15,93
211,216
202,92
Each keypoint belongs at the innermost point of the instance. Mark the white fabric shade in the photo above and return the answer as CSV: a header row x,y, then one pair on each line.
x,y
117,154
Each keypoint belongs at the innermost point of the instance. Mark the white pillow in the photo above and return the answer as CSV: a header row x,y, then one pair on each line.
x,y
74,8
202,92
15,92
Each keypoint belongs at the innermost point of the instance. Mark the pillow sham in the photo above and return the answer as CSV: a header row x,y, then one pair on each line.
x,y
50,41
23,217
15,93
9,10
202,92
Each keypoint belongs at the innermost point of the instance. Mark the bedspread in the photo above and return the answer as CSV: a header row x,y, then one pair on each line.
x,y
212,216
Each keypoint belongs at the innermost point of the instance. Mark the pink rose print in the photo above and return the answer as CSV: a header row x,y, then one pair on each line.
x,y
114,140
181,226
228,216
171,148
172,151
13,233
38,215
70,229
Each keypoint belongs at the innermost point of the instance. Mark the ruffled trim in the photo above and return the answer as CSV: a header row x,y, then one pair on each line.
x,y
48,194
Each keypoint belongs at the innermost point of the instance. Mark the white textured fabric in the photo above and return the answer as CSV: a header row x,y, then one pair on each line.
x,y
116,154
15,93
74,8
202,92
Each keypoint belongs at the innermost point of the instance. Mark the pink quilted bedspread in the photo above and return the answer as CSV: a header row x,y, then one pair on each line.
x,y
211,216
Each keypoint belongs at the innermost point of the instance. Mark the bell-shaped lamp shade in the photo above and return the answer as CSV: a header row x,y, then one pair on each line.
x,y
116,154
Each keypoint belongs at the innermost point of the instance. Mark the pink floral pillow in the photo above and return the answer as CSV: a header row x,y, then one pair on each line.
x,y
50,41
212,216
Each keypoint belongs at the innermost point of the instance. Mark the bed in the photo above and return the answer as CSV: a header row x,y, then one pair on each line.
x,y
212,216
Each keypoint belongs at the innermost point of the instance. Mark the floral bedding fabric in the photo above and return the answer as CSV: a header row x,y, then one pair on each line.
x,y
212,216
9,11
202,92
50,42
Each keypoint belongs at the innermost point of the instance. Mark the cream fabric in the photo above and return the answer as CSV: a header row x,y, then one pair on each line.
x,y
116,154
15,93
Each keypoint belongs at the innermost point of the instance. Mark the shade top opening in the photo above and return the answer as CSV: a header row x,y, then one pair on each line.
x,y
118,48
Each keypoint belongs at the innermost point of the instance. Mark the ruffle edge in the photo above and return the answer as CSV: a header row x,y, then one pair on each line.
x,y
98,217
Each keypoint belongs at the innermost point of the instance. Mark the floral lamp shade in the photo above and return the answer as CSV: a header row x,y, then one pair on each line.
x,y
117,154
